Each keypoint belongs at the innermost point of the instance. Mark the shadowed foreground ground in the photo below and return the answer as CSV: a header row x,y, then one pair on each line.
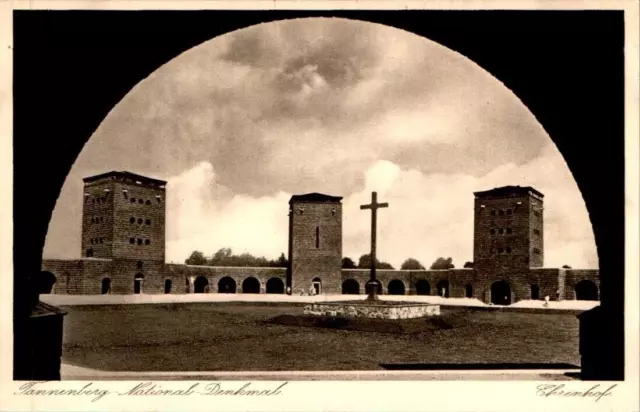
x,y
237,337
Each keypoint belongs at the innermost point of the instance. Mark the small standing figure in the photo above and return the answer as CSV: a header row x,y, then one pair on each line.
x,y
546,301
312,291
288,290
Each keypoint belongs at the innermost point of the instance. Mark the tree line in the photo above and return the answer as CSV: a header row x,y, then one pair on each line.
x,y
409,264
225,257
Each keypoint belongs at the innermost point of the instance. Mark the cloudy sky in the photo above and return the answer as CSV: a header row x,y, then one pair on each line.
x,y
240,123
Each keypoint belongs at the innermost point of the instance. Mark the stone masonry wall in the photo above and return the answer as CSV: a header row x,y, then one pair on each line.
x,y
139,222
345,309
457,279
501,232
97,220
316,245
69,275
574,276
180,273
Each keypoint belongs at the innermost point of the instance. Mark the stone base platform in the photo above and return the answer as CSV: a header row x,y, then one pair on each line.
x,y
373,310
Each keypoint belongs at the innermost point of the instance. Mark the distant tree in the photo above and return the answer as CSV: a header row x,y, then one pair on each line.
x,y
281,261
566,267
196,258
383,265
411,264
221,257
347,263
442,263
468,264
365,263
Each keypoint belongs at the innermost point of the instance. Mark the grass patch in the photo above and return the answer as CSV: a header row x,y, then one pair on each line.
x,y
401,326
374,303
245,337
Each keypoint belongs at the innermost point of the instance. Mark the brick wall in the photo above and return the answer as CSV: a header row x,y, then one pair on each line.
x,y
97,220
315,245
575,276
69,275
480,281
456,278
502,232
536,232
85,276
213,274
93,271
139,216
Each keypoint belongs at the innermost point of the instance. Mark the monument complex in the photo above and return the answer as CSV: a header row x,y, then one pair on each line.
x,y
123,252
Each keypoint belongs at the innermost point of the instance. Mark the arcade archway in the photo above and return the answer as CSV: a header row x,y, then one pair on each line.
x,y
586,290
468,291
251,285
423,287
396,287
46,282
443,289
201,285
275,285
226,285
500,293
350,287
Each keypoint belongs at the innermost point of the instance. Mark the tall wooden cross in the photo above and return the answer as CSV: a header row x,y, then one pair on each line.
x,y
374,206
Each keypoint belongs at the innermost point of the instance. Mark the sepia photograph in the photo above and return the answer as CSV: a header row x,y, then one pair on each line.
x,y
284,196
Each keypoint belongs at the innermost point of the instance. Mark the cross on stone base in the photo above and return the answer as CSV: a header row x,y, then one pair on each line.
x,y
372,287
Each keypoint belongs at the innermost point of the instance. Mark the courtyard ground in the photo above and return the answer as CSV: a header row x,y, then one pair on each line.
x,y
236,336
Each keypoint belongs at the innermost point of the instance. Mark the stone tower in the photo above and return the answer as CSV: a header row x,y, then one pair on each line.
x,y
508,232
123,219
315,243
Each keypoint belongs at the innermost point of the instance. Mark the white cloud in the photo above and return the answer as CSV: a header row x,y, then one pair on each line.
x,y
206,216
430,215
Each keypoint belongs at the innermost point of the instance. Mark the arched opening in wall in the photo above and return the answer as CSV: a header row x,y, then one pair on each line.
x,y
105,287
443,289
350,287
46,282
251,285
201,285
317,285
468,291
586,290
167,286
226,285
396,287
500,293
423,287
376,284
535,292
137,283
275,285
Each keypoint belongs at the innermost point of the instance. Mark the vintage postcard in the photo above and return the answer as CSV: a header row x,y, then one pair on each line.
x,y
319,205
